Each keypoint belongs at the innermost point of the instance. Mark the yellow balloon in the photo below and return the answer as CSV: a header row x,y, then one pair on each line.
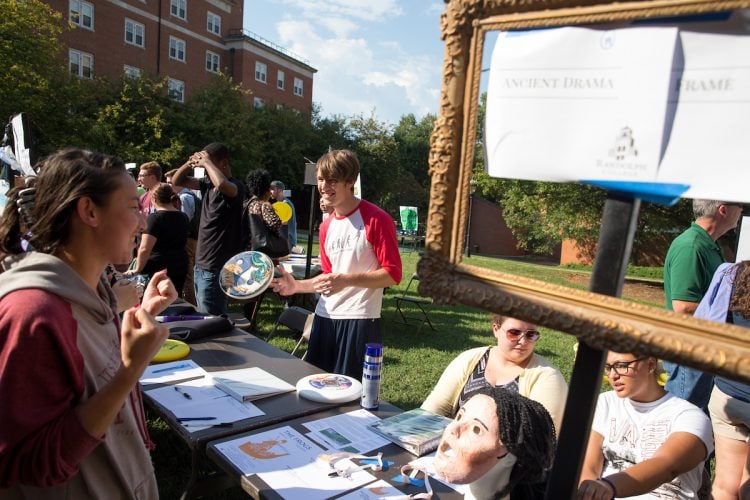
x,y
283,210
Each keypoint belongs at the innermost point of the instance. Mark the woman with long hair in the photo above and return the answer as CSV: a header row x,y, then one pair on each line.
x,y
72,423
728,301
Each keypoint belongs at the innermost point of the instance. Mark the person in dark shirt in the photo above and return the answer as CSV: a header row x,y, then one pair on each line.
x,y
163,243
219,233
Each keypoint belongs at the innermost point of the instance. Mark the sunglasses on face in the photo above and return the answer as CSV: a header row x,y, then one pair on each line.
x,y
514,334
622,367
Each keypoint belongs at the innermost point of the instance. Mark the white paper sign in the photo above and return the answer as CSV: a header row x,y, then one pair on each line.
x,y
709,147
655,104
578,103
288,463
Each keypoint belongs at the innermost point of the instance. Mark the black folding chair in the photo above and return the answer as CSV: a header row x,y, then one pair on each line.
x,y
417,303
296,319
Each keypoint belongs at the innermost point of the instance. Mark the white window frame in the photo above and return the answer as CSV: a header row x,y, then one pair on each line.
x,y
261,72
80,58
280,80
177,49
77,13
213,62
213,23
131,71
135,27
299,87
259,103
178,8
176,89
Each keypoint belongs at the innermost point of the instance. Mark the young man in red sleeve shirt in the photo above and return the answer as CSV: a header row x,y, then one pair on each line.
x,y
359,256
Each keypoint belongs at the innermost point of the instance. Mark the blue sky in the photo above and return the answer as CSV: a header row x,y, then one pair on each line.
x,y
382,56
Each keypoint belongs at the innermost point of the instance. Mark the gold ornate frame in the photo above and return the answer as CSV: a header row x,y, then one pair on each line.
x,y
601,321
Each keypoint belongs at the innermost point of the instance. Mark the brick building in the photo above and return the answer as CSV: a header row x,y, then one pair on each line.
x,y
186,41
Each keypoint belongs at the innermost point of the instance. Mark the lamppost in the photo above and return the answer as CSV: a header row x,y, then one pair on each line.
x,y
472,187
310,180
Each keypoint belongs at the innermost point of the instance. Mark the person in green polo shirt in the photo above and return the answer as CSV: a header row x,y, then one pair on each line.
x,y
689,266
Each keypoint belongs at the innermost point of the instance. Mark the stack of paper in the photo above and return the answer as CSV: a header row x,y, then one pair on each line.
x,y
249,384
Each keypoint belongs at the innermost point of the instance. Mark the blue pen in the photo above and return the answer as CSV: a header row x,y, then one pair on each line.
x,y
190,419
172,368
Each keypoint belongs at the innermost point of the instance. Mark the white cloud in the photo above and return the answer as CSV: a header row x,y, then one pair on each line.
x,y
435,8
340,27
356,76
358,9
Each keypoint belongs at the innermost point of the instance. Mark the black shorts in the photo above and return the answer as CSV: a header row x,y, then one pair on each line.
x,y
338,345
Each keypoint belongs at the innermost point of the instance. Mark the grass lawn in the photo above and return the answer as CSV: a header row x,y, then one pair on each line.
x,y
412,361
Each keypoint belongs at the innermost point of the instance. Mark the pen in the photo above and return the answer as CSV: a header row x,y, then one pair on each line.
x,y
189,419
169,319
185,394
172,368
217,424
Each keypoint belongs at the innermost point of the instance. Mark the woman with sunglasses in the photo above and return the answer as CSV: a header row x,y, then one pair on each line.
x,y
645,442
511,364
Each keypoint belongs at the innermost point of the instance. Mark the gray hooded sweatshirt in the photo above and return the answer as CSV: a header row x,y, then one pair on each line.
x,y
80,325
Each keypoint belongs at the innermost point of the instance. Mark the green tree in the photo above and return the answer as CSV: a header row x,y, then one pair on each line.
x,y
285,136
34,74
138,124
379,161
413,141
221,112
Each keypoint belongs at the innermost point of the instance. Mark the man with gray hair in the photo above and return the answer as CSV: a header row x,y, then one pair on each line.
x,y
689,266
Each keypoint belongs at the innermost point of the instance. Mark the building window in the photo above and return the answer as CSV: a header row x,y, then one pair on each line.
x,y
213,23
81,64
212,62
82,14
178,8
134,33
279,106
176,89
261,72
131,72
259,103
298,86
280,80
177,49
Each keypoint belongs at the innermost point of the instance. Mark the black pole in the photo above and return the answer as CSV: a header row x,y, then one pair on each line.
x,y
310,233
612,254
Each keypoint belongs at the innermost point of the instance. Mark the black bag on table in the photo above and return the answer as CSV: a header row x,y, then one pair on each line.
x,y
194,329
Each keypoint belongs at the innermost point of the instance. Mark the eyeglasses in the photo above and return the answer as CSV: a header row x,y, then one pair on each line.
x,y
514,334
622,367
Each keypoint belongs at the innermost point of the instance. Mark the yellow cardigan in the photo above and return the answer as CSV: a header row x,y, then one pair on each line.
x,y
540,381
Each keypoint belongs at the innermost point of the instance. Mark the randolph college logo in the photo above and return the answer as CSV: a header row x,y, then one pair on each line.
x,y
624,145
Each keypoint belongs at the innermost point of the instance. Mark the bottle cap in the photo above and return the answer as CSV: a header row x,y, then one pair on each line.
x,y
374,350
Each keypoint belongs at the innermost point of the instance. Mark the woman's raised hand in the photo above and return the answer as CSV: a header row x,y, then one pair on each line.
x,y
159,294
141,338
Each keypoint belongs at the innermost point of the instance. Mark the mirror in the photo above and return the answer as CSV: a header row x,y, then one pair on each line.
x,y
602,322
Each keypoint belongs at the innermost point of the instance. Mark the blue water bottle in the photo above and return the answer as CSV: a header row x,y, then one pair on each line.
x,y
371,372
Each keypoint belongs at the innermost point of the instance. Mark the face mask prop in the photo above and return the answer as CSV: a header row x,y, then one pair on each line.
x,y
498,441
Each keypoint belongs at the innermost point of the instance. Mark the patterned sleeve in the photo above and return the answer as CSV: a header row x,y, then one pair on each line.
x,y
270,218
